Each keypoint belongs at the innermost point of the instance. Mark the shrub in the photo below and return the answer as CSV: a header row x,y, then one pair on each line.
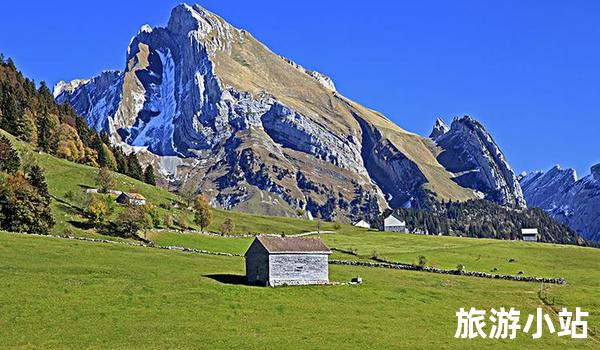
x,y
168,221
182,222
227,226
69,195
202,212
131,221
422,261
96,212
337,225
105,180
22,207
154,215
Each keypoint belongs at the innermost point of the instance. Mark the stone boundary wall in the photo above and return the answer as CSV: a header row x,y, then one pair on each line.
x,y
214,234
132,244
396,266
345,251
383,264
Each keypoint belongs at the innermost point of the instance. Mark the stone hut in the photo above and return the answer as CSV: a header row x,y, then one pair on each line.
x,y
275,261
131,198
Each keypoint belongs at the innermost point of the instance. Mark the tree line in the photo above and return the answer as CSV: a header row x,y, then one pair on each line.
x,y
24,196
483,219
32,115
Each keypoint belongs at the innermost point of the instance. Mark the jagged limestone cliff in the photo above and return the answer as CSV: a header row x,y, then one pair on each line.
x,y
219,112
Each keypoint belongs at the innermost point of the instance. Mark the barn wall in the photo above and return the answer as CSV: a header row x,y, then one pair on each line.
x,y
257,264
395,229
298,269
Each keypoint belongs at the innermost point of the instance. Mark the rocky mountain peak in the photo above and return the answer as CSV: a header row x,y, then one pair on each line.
x,y
218,112
571,201
68,86
596,172
470,152
204,26
185,18
439,129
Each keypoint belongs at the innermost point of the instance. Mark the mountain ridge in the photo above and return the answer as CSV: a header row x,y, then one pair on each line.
x,y
572,201
233,119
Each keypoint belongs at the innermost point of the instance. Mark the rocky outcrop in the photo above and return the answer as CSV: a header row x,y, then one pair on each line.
x,y
218,112
545,189
439,128
470,152
575,203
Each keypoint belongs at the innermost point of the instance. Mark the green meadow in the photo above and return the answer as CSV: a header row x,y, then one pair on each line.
x,y
65,294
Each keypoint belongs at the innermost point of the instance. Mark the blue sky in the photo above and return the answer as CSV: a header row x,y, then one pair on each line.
x,y
529,70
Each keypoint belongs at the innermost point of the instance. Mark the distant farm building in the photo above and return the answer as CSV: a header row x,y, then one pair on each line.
x,y
530,234
275,261
131,198
362,223
393,224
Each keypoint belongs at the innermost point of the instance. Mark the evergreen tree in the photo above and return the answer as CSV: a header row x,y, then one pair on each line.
x,y
149,175
46,98
38,181
134,167
45,132
9,158
85,134
104,137
121,160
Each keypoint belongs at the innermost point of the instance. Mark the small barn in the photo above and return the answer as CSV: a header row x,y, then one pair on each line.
x,y
275,261
362,224
393,224
131,198
530,234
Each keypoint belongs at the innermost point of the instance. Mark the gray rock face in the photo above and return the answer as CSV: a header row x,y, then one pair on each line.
x,y
573,202
439,129
469,151
218,112
545,189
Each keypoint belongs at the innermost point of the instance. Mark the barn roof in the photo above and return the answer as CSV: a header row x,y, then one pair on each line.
x,y
392,220
529,231
134,195
293,245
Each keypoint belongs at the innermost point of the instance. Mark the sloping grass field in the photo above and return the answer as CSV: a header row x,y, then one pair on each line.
x,y
65,294
58,293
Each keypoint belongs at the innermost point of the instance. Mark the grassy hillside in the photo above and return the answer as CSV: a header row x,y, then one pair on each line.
x,y
66,179
70,295
67,294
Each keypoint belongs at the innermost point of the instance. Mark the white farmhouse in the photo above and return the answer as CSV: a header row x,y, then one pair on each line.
x,y
530,234
393,224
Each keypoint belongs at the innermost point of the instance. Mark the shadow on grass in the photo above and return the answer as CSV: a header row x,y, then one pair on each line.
x,y
85,187
80,225
69,209
229,279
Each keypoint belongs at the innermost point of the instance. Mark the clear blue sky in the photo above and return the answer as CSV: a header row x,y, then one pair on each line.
x,y
529,70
